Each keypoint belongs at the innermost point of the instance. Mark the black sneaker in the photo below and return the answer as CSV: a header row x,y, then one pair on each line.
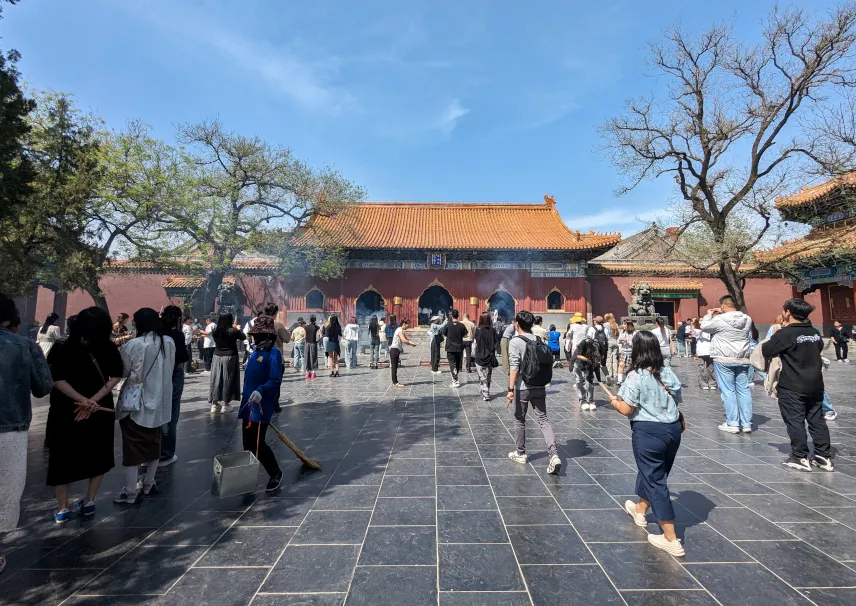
x,y
797,463
274,483
822,463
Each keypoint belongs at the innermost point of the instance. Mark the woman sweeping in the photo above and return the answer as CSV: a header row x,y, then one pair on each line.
x,y
649,397
225,382
262,379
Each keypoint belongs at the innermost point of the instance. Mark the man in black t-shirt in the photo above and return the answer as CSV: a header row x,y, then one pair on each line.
x,y
455,333
798,345
311,348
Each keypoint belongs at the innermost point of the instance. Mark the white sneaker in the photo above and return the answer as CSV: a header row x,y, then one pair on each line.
x,y
224,409
729,428
638,518
847,361
671,547
518,458
126,496
746,429
830,416
436,372
705,388
840,361
215,408
555,465
456,384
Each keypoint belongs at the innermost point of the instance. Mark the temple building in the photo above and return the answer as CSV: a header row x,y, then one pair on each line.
x,y
680,291
415,259
822,264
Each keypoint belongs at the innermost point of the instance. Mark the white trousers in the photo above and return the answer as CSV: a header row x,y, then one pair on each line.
x,y
13,477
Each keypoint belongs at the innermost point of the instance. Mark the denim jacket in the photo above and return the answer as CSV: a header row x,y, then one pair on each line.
x,y
23,370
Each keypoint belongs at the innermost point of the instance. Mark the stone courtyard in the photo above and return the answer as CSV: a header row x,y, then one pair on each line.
x,y
417,504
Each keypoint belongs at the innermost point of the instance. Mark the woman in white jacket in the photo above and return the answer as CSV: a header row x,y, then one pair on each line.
x,y
148,360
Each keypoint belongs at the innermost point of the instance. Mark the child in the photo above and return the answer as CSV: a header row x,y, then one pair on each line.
x,y
553,342
586,368
262,379
649,397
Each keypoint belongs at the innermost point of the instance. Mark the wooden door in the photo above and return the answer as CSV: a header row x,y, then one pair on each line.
x,y
841,303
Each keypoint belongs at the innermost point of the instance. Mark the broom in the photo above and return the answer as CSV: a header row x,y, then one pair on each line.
x,y
310,462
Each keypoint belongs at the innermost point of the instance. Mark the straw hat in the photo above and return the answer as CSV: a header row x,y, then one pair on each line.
x,y
578,318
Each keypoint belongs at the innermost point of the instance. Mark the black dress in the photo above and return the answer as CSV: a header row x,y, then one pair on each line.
x,y
79,450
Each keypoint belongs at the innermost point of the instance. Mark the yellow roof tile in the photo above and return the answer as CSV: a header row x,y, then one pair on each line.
x,y
453,226
811,194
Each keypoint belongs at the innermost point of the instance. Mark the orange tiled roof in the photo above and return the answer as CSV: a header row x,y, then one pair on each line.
x,y
453,226
816,243
673,286
241,262
190,282
812,194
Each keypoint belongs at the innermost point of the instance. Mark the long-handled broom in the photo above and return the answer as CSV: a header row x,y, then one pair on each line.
x,y
310,462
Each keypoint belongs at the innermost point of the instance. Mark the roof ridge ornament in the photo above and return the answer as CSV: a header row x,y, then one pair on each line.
x,y
550,200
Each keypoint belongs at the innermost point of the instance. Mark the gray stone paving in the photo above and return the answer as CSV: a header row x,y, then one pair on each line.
x,y
417,504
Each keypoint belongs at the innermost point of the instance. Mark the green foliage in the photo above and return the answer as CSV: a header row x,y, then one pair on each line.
x,y
48,237
241,193
16,170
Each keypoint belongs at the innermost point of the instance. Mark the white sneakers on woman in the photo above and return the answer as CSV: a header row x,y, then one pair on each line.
x,y
657,540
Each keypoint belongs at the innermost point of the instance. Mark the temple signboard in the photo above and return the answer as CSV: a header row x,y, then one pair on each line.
x,y
837,274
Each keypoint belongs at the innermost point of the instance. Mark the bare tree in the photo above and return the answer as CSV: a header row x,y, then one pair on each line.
x,y
241,193
724,125
831,136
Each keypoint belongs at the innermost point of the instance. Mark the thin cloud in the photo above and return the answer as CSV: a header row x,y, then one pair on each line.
x,y
302,81
614,218
448,120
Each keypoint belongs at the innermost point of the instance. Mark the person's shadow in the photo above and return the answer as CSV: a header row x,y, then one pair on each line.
x,y
692,508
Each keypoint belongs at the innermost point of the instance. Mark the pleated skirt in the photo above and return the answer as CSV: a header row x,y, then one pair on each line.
x,y
225,381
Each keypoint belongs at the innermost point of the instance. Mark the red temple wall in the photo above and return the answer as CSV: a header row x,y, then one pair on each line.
x,y
529,293
125,293
129,292
764,296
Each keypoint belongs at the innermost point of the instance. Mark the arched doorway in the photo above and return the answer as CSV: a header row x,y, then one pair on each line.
x,y
368,304
502,302
434,300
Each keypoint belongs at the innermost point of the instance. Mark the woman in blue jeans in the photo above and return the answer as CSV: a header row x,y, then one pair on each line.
x,y
649,397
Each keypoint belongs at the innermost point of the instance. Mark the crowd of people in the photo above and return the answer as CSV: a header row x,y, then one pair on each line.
x,y
143,360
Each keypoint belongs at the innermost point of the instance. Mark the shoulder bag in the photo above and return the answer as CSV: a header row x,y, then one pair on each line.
x,y
131,396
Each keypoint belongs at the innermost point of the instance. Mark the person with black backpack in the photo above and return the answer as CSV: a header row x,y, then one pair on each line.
x,y
597,333
586,370
531,370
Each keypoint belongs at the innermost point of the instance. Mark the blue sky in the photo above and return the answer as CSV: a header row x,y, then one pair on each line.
x,y
461,100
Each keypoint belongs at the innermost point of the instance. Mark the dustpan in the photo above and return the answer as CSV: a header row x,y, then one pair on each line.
x,y
235,473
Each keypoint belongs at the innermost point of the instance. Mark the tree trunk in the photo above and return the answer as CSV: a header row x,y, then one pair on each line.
x,y
734,285
98,297
210,289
